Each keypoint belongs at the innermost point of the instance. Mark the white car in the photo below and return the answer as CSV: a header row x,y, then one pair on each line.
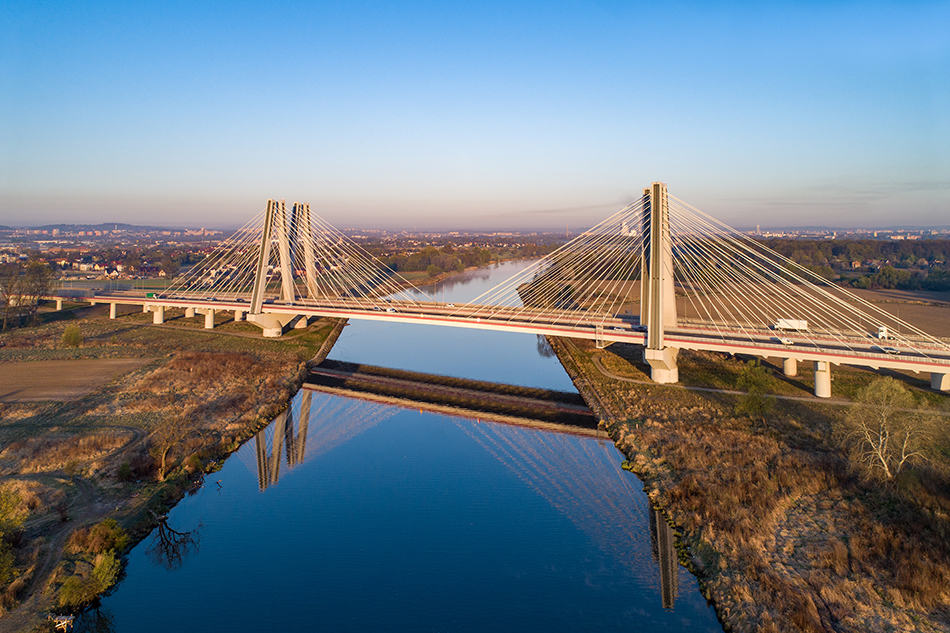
x,y
783,340
890,350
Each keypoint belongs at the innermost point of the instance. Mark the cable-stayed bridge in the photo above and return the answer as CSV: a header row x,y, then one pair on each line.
x,y
658,273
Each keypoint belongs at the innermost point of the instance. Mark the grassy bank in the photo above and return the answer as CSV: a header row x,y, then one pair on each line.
x,y
133,446
782,533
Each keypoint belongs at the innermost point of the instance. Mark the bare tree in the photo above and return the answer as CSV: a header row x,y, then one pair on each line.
x,y
36,284
884,431
11,290
164,437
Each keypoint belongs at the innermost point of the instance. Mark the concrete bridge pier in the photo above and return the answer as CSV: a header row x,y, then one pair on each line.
x,y
302,322
238,315
272,325
822,379
158,314
112,310
790,367
189,313
209,319
663,368
939,382
144,308
59,304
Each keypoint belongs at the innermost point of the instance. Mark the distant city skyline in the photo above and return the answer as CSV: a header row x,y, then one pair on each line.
x,y
474,117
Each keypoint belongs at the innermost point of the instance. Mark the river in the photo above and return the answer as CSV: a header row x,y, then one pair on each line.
x,y
347,515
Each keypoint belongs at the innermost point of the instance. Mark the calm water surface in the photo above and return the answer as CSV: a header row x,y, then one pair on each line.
x,y
346,515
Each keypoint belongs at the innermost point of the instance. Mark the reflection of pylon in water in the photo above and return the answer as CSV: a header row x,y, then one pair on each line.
x,y
661,537
579,477
325,422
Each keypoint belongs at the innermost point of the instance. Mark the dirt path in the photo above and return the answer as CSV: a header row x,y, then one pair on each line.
x,y
60,380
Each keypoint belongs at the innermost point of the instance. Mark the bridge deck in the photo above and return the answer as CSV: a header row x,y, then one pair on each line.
x,y
808,346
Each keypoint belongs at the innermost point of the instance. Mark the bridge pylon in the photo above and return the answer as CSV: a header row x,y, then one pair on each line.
x,y
276,226
657,295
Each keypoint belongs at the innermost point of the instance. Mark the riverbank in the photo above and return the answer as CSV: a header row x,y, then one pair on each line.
x,y
780,533
70,465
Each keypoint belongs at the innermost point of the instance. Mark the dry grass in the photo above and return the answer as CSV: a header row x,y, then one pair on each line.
x,y
782,534
34,497
92,454
60,451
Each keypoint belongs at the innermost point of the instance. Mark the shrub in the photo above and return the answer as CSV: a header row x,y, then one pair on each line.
x,y
884,432
102,537
72,336
77,591
7,568
753,379
194,463
11,514
125,472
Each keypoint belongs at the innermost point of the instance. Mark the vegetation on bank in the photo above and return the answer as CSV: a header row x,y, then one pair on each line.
x,y
451,258
135,445
781,521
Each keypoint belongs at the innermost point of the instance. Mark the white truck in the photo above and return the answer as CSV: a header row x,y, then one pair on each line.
x,y
792,325
882,333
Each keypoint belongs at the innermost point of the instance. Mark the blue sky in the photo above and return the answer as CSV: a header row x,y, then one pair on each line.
x,y
465,115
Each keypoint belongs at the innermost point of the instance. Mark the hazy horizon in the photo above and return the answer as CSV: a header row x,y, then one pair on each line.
x,y
451,116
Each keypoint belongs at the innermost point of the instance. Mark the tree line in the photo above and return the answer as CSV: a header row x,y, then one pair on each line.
x,y
21,288
903,264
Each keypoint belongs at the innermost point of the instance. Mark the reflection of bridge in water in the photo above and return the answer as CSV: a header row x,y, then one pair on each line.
x,y
578,476
582,479
322,424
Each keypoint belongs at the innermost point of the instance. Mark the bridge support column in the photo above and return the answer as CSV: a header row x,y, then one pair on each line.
x,y
209,319
189,313
599,341
145,308
238,315
822,379
59,304
939,382
158,314
657,296
301,323
272,325
663,368
790,367
112,308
